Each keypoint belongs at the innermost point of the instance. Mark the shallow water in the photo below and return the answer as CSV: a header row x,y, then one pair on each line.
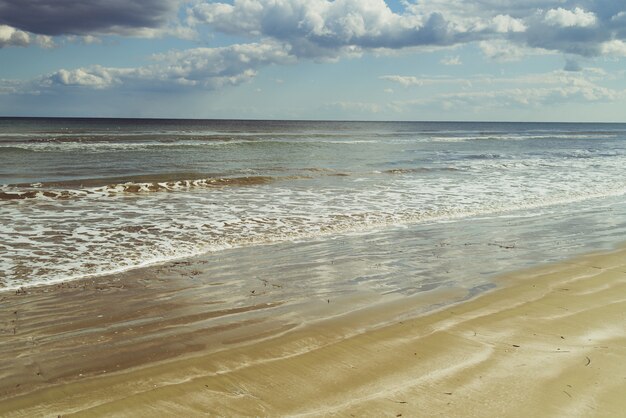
x,y
83,197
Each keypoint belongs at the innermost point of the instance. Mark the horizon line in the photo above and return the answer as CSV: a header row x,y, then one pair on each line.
x,y
299,120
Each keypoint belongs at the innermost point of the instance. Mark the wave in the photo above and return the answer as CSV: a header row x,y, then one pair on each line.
x,y
523,137
419,170
485,156
171,144
203,237
124,185
110,146
587,153
119,142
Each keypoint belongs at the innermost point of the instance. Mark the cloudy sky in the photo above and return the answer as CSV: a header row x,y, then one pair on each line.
x,y
554,60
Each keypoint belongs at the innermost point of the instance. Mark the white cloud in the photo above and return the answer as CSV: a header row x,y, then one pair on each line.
x,y
531,91
506,23
283,31
10,36
13,37
615,47
85,39
405,81
534,97
95,77
208,68
568,18
500,50
331,29
322,27
10,86
45,41
451,60
173,30
619,17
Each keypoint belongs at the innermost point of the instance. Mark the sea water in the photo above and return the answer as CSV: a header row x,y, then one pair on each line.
x,y
87,197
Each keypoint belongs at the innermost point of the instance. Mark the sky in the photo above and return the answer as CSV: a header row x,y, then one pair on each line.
x,y
475,60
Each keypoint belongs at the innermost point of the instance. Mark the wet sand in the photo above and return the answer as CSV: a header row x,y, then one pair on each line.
x,y
548,341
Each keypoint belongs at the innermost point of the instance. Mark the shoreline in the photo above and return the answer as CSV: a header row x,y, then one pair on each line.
x,y
548,341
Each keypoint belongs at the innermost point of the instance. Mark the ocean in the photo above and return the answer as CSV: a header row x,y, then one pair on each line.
x,y
422,204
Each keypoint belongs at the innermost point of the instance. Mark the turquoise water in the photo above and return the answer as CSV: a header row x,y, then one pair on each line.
x,y
83,197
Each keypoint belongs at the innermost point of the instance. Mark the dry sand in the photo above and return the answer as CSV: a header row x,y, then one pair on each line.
x,y
549,341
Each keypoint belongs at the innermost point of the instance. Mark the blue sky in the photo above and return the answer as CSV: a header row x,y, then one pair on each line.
x,y
537,60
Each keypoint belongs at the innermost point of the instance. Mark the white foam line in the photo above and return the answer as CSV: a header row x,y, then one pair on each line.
x,y
363,226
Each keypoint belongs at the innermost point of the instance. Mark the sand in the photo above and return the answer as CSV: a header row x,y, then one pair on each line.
x,y
548,341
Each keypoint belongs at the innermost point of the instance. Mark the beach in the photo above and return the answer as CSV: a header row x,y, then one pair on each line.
x,y
262,208
285,268
547,341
